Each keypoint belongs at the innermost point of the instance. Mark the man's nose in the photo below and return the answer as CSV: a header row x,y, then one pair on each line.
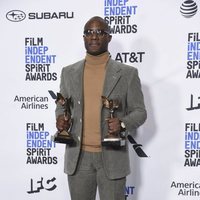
x,y
94,36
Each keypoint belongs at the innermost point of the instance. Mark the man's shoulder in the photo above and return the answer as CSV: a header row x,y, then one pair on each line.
x,y
74,65
123,66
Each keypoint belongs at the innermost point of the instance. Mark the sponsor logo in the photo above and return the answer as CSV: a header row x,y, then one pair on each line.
x,y
186,188
193,56
194,103
192,145
15,15
129,192
188,8
51,15
130,57
120,16
32,102
38,61
18,15
42,184
39,145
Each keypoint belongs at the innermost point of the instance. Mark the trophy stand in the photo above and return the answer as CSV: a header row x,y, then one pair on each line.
x,y
110,139
64,136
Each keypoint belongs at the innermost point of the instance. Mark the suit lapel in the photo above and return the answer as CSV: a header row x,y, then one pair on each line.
x,y
113,74
112,77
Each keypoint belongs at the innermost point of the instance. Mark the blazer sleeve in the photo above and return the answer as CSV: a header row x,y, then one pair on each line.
x,y
136,111
59,109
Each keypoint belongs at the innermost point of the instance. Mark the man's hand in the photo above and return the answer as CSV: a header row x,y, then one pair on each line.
x,y
63,122
114,126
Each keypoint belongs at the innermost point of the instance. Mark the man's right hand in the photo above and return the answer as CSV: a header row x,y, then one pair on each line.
x,y
63,123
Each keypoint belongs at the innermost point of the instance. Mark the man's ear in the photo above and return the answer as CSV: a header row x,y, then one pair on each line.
x,y
109,38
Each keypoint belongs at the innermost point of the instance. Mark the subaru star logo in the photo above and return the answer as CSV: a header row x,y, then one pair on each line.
x,y
15,15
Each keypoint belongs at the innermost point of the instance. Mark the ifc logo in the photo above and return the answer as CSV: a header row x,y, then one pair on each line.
x,y
15,15
188,8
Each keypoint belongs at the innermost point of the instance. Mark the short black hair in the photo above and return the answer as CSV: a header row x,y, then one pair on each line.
x,y
99,19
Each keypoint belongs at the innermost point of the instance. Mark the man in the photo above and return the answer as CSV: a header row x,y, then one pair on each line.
x,y
90,165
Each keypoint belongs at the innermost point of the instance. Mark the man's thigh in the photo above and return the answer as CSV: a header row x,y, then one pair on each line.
x,y
110,189
82,184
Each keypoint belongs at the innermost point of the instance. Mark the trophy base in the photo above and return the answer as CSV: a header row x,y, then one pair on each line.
x,y
115,142
63,138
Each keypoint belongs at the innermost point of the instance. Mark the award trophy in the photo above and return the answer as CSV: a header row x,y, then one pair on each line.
x,y
64,136
110,139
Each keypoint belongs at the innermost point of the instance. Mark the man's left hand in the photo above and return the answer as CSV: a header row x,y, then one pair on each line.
x,y
114,126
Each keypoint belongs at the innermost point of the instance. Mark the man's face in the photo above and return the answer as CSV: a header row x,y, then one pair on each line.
x,y
96,37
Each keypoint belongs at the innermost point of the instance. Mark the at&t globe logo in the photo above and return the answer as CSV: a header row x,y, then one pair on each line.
x,y
188,8
15,15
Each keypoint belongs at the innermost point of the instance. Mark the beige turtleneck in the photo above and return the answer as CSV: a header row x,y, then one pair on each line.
x,y
94,73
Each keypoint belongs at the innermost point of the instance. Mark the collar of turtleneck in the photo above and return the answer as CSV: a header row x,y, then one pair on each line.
x,y
97,60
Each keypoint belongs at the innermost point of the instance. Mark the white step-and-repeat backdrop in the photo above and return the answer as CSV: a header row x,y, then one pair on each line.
x,y
159,37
